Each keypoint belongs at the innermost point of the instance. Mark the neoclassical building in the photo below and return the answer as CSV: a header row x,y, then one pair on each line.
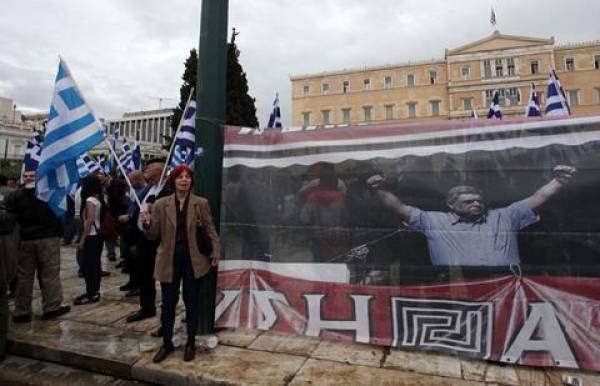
x,y
448,88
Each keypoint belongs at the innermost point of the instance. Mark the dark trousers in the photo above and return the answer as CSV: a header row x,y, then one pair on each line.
x,y
69,228
182,270
207,293
91,265
146,255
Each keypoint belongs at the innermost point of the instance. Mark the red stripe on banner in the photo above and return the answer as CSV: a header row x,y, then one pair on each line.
x,y
539,321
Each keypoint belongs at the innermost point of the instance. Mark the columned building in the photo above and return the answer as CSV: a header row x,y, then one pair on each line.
x,y
153,126
464,80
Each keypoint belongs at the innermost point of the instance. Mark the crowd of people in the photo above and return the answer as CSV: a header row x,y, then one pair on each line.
x,y
163,231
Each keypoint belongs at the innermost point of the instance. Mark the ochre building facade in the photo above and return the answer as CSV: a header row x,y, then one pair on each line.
x,y
466,79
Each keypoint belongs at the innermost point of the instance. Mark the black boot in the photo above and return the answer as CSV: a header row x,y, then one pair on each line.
x,y
162,354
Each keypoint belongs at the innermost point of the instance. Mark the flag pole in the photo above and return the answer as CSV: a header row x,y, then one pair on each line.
x,y
120,166
164,171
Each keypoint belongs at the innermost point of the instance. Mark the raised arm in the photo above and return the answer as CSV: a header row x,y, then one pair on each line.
x,y
562,176
388,199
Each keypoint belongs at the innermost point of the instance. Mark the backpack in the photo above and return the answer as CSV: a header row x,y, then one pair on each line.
x,y
108,227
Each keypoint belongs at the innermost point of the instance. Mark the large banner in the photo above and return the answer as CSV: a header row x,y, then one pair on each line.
x,y
475,237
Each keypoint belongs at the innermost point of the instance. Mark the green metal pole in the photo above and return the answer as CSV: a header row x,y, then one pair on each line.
x,y
210,120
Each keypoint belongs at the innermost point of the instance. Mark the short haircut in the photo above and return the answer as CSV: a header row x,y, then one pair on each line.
x,y
456,191
156,160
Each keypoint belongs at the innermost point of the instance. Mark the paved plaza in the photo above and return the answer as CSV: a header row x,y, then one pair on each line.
x,y
96,339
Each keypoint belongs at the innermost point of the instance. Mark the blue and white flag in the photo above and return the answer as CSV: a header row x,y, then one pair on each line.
x,y
113,144
82,168
495,111
102,162
556,103
136,155
275,117
32,154
72,130
87,165
533,109
126,156
493,17
185,139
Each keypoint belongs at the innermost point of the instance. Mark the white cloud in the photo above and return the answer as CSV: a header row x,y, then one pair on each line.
x,y
124,52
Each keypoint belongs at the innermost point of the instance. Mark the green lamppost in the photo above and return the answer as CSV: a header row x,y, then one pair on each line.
x,y
210,120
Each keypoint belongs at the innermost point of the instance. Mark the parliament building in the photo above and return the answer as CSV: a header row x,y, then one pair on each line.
x,y
465,80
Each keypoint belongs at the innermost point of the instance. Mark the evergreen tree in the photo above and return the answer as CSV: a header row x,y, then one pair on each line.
x,y
241,110
190,74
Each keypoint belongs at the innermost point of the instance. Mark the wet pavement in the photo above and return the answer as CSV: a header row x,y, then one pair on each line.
x,y
96,339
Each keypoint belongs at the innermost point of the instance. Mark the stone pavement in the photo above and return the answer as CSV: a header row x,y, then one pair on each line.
x,y
97,339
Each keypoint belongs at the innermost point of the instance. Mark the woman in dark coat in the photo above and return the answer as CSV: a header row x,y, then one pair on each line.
x,y
175,221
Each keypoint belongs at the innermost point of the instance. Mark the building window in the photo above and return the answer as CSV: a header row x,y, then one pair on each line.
x,y
510,64
435,108
325,114
410,80
325,88
499,68
466,72
574,98
487,69
367,113
412,110
389,112
345,86
489,96
513,96
387,82
535,66
306,119
305,90
432,77
570,64
597,62
366,84
346,116
468,104
598,95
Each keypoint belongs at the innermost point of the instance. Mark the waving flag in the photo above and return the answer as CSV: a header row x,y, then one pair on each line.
x,y
185,139
126,157
102,162
533,109
87,165
275,117
136,155
32,154
493,18
556,103
71,131
113,144
495,111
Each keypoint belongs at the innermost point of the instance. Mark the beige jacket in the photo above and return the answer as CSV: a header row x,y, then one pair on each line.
x,y
163,227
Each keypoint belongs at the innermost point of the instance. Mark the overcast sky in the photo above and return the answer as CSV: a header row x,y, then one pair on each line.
x,y
126,53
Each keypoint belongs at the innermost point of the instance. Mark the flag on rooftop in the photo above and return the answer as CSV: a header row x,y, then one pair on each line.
x,y
533,109
556,103
126,156
136,155
495,111
72,130
32,154
185,139
493,17
275,117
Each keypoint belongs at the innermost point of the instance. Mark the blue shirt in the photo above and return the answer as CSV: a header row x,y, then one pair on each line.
x,y
489,241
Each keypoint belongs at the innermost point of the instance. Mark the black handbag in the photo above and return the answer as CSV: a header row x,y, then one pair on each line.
x,y
202,240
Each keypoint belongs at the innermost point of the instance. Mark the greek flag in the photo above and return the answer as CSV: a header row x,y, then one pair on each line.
x,y
113,144
71,131
87,165
275,117
136,155
102,162
32,154
495,111
82,168
493,18
533,109
126,157
185,139
556,103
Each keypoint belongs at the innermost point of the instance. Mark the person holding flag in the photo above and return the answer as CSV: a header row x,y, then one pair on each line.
x,y
533,109
495,112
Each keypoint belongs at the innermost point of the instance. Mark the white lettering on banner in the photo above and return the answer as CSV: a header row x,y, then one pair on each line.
x,y
228,298
541,331
360,324
263,301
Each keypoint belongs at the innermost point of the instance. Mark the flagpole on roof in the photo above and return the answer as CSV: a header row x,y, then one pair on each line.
x,y
162,175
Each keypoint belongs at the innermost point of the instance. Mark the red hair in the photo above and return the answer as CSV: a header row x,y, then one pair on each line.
x,y
180,169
